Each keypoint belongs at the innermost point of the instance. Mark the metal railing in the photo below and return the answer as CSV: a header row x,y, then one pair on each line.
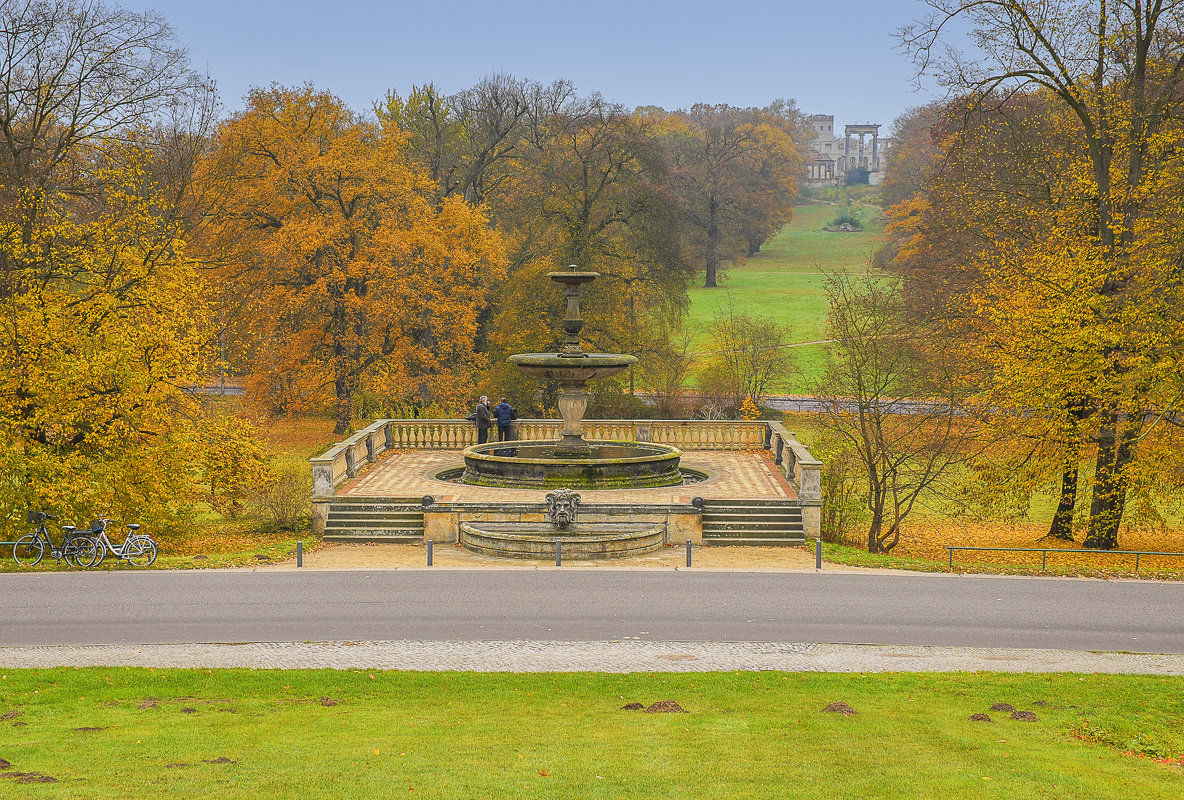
x,y
1044,551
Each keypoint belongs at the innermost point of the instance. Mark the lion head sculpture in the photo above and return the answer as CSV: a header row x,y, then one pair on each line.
x,y
562,505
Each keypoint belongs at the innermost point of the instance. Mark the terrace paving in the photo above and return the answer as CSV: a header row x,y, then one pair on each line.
x,y
733,475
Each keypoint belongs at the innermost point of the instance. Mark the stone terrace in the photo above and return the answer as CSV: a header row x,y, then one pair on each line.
x,y
732,474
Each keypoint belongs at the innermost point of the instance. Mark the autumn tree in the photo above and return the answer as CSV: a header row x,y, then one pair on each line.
x,y
730,168
101,313
1103,284
586,187
891,401
346,270
749,354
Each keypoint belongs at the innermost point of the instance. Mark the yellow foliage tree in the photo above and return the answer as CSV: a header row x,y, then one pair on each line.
x,y
101,313
1074,300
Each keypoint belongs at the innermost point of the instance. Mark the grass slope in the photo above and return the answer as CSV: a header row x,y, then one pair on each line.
x,y
783,281
355,734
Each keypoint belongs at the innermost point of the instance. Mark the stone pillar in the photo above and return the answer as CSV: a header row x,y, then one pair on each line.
x,y
810,496
812,520
441,526
320,514
876,150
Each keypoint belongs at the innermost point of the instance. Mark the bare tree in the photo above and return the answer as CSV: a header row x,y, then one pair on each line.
x,y
892,402
73,75
749,353
75,71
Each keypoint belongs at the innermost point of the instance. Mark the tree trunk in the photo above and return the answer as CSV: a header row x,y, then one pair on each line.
x,y
873,533
1062,520
712,245
875,504
1110,482
345,405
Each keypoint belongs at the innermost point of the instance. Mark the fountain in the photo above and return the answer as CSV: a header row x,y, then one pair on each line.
x,y
614,539
572,461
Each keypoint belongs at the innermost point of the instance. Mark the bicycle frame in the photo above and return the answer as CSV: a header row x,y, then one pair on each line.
x,y
125,549
71,546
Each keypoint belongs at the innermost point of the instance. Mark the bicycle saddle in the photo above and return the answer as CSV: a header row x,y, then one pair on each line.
x,y
133,526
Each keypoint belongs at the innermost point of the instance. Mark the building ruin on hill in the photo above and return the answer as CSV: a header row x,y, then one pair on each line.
x,y
832,157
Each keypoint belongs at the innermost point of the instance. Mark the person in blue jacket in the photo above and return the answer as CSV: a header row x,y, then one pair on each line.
x,y
504,413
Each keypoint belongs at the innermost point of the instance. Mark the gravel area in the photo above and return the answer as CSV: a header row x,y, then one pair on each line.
x,y
613,656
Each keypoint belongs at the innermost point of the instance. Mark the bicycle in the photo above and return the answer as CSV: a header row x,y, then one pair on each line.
x,y
78,550
137,549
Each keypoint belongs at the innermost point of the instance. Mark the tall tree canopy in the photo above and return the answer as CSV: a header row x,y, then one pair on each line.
x,y
1069,251
736,173
101,314
346,271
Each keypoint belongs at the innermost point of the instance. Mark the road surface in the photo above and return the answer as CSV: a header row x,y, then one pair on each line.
x,y
128,607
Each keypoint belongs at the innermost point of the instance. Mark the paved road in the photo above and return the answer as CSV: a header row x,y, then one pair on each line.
x,y
128,607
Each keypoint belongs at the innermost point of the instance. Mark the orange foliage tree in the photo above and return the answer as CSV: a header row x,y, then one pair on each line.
x,y
344,271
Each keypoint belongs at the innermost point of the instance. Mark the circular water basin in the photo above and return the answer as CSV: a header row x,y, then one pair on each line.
x,y
605,465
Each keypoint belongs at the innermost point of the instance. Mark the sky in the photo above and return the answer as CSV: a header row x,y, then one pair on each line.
x,y
645,52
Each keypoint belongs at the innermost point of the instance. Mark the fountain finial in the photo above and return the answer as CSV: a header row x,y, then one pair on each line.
x,y
572,279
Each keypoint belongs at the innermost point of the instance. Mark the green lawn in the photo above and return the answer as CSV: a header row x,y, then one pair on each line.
x,y
783,281
119,732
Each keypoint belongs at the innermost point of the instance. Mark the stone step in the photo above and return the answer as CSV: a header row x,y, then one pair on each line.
x,y
750,527
750,532
369,524
780,516
376,516
389,537
754,541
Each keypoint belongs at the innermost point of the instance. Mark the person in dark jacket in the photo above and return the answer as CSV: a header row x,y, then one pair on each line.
x,y
505,414
483,420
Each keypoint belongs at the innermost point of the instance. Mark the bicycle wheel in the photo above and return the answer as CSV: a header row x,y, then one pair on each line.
x,y
82,552
141,553
28,550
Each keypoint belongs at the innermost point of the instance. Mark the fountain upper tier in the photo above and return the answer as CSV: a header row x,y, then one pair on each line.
x,y
570,368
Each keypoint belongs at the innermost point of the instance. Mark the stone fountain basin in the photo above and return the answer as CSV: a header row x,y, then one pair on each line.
x,y
555,366
609,465
580,540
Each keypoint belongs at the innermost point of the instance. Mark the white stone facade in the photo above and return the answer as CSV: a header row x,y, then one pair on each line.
x,y
831,156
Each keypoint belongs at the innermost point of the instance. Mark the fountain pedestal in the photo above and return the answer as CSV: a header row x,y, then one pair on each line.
x,y
573,402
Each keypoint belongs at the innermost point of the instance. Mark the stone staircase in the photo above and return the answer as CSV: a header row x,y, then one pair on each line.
x,y
397,520
752,522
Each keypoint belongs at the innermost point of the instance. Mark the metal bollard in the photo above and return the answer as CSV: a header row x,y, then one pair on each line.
x,y
429,552
300,553
688,552
818,554
559,552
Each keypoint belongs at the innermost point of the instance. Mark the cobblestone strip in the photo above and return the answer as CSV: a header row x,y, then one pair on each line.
x,y
615,656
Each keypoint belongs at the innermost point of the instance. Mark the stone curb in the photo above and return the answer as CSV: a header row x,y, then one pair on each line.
x,y
619,656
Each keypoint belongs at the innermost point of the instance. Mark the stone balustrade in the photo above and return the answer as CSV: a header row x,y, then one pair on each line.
x,y
802,470
344,460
